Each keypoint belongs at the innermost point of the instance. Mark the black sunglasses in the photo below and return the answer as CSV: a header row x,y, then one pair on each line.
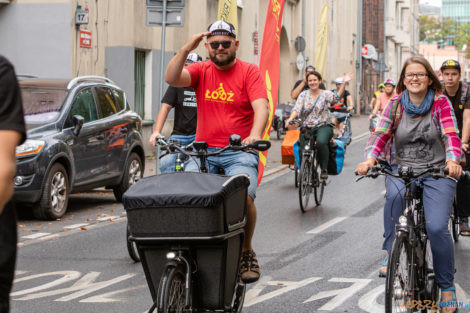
x,y
225,44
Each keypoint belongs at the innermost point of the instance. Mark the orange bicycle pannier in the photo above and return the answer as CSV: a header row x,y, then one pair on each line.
x,y
287,151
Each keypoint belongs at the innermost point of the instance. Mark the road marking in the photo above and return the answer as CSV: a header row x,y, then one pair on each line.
x,y
324,226
252,296
107,297
36,235
368,302
82,287
358,137
76,226
341,295
65,277
106,218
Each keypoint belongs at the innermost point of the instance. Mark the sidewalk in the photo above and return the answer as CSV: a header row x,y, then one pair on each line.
x,y
360,128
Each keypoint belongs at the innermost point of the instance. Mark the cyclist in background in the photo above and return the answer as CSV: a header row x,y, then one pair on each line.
x,y
184,127
345,104
384,97
231,98
375,95
313,108
423,135
459,95
302,85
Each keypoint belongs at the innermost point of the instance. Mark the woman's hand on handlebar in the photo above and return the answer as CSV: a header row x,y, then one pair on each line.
x,y
363,167
455,170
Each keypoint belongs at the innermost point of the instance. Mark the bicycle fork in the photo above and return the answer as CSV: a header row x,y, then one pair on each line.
x,y
176,258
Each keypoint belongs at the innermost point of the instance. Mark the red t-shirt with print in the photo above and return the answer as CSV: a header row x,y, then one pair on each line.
x,y
224,100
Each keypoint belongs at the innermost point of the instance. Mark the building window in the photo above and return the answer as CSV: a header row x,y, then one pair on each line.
x,y
139,82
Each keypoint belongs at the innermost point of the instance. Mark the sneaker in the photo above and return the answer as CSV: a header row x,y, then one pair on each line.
x,y
249,268
383,269
324,175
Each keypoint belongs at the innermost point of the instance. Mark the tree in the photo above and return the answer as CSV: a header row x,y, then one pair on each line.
x,y
428,28
462,35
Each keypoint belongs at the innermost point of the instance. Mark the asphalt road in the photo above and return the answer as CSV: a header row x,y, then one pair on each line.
x,y
324,260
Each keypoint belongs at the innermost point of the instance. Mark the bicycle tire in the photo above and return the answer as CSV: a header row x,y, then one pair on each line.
x,y
171,294
238,297
132,247
398,275
296,171
318,185
305,187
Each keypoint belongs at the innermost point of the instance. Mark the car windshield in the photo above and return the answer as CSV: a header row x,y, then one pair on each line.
x,y
42,105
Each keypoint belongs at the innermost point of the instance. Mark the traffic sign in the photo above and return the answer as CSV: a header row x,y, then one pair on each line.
x,y
174,16
169,3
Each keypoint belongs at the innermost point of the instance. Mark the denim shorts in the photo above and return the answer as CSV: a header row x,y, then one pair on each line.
x,y
167,162
233,163
340,116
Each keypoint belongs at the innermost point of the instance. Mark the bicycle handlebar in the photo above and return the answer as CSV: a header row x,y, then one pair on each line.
x,y
201,147
406,172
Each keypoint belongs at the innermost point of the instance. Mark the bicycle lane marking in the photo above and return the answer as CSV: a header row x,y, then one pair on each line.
x,y
326,225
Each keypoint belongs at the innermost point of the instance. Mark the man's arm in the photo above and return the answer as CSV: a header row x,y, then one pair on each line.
x,y
297,90
465,129
350,103
261,109
175,74
9,139
160,120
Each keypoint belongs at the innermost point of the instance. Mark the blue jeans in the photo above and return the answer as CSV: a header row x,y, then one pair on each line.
x,y
438,196
233,163
167,162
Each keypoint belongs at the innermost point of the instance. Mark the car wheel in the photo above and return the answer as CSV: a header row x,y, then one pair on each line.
x,y
55,194
132,173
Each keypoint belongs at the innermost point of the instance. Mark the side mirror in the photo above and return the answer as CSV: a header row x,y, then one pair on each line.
x,y
77,124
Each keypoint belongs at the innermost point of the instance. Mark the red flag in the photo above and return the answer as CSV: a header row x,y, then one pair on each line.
x,y
269,65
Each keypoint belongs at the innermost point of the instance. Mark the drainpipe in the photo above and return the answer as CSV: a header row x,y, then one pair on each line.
x,y
359,57
304,5
162,63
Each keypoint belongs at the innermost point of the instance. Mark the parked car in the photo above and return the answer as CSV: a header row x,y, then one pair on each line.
x,y
81,135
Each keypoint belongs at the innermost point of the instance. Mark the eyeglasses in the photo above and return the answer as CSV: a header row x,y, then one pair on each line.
x,y
225,44
417,75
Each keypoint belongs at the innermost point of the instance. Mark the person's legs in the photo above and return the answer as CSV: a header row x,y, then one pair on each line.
x,y
8,238
393,208
438,195
235,163
322,138
167,162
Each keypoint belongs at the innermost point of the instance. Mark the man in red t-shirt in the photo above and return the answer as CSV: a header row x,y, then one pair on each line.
x,y
231,99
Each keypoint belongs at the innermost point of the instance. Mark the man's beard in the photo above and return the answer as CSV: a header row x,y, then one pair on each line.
x,y
230,57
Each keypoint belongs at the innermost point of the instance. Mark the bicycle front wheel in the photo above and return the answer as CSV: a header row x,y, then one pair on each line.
x,y
172,291
399,271
296,170
305,186
318,185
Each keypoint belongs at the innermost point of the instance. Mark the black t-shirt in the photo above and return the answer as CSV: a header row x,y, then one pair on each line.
x,y
184,102
322,86
11,108
11,118
458,105
342,103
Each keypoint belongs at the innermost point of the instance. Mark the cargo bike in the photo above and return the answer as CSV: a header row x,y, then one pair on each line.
x,y
188,230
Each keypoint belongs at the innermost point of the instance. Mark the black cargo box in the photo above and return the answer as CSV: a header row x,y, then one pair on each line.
x,y
186,204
